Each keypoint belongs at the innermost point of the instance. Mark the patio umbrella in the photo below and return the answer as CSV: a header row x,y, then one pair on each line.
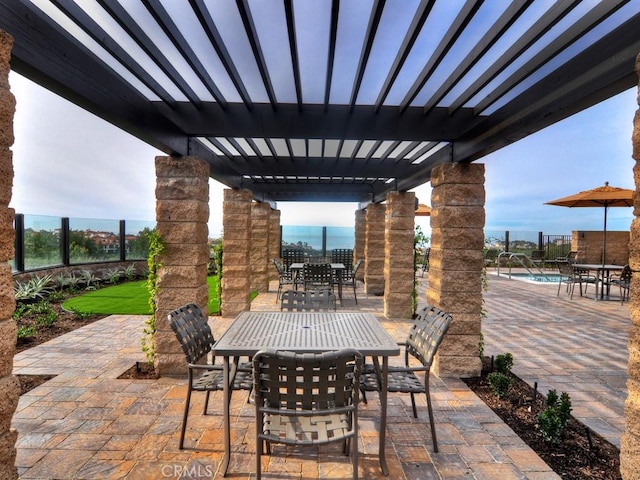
x,y
423,210
598,197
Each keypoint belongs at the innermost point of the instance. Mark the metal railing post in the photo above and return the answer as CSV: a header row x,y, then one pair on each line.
x,y
19,242
64,241
123,241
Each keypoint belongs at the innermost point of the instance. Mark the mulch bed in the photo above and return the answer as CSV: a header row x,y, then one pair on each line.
x,y
581,455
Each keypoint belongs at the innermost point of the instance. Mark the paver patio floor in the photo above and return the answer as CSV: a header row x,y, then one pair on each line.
x,y
87,424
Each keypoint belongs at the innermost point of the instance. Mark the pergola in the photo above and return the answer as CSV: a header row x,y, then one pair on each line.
x,y
327,100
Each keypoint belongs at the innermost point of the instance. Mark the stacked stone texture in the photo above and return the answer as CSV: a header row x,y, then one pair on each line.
x,y
630,444
374,249
274,242
360,240
236,248
182,213
588,247
399,256
259,255
455,263
9,385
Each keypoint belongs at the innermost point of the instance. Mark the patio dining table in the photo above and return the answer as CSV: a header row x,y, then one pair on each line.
x,y
312,332
603,274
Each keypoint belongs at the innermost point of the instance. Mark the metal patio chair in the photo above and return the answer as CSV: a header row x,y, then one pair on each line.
x,y
425,336
196,339
307,399
303,301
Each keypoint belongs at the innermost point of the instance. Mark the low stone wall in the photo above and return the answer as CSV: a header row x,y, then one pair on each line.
x,y
589,246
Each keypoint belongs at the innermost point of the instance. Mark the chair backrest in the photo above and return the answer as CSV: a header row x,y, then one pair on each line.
x,y
193,332
307,381
278,266
292,255
342,255
565,268
316,274
426,334
626,274
302,301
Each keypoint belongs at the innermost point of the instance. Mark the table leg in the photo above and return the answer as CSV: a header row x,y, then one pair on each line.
x,y
383,415
226,419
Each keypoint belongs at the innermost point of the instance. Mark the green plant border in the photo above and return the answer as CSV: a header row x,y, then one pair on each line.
x,y
156,249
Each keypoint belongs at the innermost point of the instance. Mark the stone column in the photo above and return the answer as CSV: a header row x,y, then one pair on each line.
x,y
236,248
360,240
398,257
630,444
374,250
9,385
182,213
275,241
455,263
259,253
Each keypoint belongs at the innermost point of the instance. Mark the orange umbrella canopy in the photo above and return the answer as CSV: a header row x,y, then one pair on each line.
x,y
423,210
597,197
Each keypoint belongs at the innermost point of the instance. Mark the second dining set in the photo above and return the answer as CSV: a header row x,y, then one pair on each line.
x,y
300,272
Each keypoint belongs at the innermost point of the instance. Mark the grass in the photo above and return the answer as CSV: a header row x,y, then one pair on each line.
x,y
130,298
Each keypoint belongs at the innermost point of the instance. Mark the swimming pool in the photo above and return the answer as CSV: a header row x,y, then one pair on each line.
x,y
535,278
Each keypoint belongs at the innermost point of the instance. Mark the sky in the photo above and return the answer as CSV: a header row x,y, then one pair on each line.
x,y
68,162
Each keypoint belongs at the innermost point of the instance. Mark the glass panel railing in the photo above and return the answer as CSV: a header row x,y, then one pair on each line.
x,y
308,238
42,242
340,237
93,240
136,239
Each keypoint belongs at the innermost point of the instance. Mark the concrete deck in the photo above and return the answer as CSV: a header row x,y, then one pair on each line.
x,y
87,424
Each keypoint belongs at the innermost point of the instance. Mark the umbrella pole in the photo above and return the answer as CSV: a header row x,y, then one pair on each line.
x,y
604,237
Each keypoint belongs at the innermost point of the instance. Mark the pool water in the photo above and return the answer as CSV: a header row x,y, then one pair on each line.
x,y
546,278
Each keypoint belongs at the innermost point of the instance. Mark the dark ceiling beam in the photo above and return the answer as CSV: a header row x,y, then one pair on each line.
x,y
510,15
171,30
601,71
422,174
91,28
293,48
369,38
129,25
421,15
314,122
550,18
461,21
585,24
210,29
331,51
46,54
258,54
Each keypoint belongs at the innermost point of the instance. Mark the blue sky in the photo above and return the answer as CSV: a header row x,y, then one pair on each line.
x,y
68,162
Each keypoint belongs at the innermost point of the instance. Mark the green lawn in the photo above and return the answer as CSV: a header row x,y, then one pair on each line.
x,y
131,298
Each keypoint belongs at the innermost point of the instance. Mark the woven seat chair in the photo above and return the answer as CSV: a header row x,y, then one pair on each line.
x,y
307,399
195,336
284,277
348,277
425,336
317,276
624,282
302,301
571,276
